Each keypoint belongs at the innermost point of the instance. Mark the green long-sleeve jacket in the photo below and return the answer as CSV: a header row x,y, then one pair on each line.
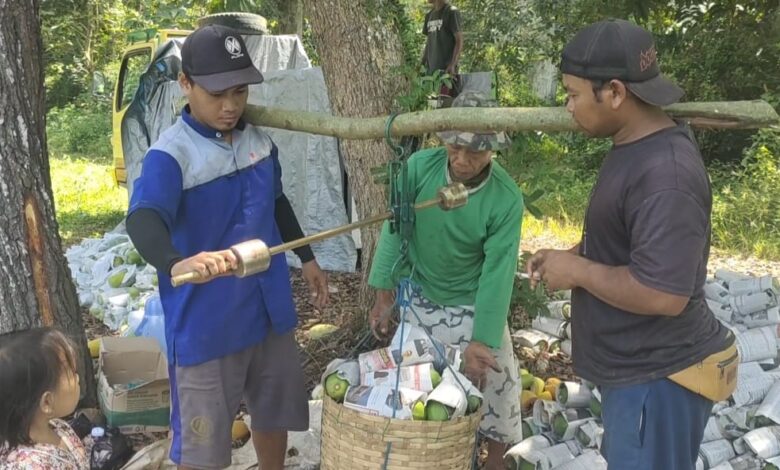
x,y
467,256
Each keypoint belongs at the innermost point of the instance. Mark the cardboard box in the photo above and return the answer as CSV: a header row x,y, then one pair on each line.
x,y
133,387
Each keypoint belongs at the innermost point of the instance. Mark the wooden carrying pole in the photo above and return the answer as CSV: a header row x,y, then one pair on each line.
x,y
708,115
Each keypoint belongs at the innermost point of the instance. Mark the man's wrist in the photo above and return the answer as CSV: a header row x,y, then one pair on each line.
x,y
384,295
579,270
173,262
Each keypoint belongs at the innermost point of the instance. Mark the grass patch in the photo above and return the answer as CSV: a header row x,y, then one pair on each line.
x,y
87,202
746,200
568,233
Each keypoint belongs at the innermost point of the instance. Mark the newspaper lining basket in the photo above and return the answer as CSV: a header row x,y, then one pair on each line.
x,y
358,441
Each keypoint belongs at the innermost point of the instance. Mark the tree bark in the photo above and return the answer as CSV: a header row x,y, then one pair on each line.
x,y
358,50
291,19
36,288
710,115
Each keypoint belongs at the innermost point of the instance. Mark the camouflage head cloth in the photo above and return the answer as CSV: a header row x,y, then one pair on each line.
x,y
474,140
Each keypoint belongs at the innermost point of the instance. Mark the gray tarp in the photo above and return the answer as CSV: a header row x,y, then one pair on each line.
x,y
312,169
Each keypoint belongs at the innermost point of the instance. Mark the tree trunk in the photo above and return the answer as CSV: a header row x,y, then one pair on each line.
x,y
291,19
35,283
358,50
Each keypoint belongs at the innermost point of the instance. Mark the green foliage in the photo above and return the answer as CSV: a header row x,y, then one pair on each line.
x,y
556,166
85,37
82,128
746,200
740,60
533,301
252,6
399,15
529,201
160,14
309,46
503,35
423,87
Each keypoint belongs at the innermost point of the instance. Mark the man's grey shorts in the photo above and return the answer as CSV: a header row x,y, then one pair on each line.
x,y
206,397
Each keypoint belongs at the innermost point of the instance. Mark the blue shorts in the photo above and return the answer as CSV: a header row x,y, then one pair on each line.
x,y
651,426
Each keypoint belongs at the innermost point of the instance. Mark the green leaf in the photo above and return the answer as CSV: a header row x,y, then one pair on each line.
x,y
534,196
534,211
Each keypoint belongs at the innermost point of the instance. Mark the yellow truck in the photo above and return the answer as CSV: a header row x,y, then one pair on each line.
x,y
135,60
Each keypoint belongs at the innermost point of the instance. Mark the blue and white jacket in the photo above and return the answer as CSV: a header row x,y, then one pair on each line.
x,y
212,194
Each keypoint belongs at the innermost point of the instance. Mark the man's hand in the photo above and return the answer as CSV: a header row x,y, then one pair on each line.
x,y
452,69
557,268
380,315
477,359
209,264
318,283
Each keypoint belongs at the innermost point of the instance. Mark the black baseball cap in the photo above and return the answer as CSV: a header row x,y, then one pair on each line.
x,y
619,49
216,58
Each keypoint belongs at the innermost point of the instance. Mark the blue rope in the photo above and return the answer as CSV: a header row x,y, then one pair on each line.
x,y
406,288
396,403
397,380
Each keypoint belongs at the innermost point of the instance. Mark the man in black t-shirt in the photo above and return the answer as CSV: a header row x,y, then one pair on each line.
x,y
638,309
443,39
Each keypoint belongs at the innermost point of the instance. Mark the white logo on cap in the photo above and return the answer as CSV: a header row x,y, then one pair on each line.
x,y
233,47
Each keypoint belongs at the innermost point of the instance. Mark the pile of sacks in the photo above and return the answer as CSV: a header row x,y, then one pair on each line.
x,y
112,280
416,377
743,432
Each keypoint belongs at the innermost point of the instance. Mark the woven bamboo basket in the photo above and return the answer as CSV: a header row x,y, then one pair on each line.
x,y
358,441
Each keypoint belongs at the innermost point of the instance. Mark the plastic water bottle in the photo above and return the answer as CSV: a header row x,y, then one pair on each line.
x,y
153,323
134,319
110,450
89,441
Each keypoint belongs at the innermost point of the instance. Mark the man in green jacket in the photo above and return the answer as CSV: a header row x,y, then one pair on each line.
x,y
464,262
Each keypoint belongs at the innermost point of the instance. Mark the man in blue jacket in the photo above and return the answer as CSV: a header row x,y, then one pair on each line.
x,y
211,181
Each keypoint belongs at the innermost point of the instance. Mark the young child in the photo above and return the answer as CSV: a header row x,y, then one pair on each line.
x,y
39,384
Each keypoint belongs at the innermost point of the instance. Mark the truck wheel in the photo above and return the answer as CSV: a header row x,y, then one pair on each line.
x,y
244,23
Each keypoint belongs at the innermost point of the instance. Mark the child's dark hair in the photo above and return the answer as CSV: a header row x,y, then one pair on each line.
x,y
32,363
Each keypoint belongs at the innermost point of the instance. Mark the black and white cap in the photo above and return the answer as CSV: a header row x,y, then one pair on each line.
x,y
216,58
619,49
